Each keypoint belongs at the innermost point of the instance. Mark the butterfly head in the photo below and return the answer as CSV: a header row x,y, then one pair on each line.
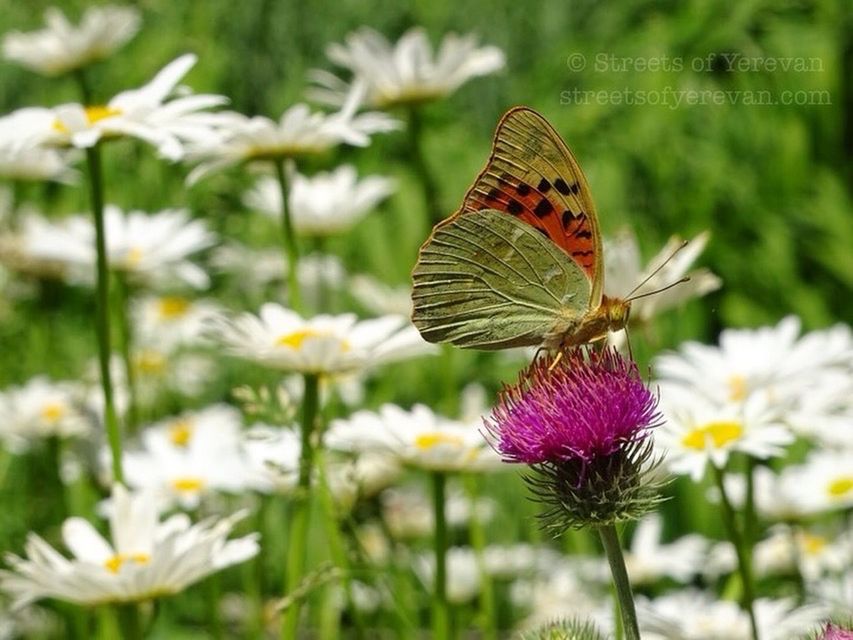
x,y
616,312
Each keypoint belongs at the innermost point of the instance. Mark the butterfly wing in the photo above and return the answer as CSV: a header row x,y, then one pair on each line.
x,y
533,176
486,280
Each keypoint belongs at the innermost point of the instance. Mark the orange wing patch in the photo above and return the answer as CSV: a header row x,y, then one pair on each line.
x,y
532,175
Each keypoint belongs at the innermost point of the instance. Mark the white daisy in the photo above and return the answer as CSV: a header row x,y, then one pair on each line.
x,y
698,432
378,297
624,272
648,560
168,322
41,409
145,559
187,457
324,204
325,344
147,113
151,249
273,457
407,72
62,46
836,592
823,482
298,132
21,161
696,615
464,578
408,512
814,555
417,437
773,361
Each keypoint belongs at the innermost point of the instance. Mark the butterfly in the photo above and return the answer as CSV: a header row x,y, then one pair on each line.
x,y
520,263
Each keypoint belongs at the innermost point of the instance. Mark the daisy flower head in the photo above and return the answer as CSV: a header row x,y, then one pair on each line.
x,y
298,132
41,409
151,113
145,558
648,559
282,339
171,321
776,362
324,204
699,431
696,615
62,46
22,161
185,458
582,421
824,482
624,272
151,249
407,72
418,438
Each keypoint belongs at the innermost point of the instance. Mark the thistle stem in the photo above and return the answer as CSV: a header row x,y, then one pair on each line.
x,y
291,250
613,551
422,171
743,555
301,508
102,309
126,346
440,610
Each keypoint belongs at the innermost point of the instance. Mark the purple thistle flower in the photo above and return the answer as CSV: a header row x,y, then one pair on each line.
x,y
833,632
588,405
582,422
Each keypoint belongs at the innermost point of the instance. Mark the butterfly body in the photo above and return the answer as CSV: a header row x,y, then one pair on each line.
x,y
520,263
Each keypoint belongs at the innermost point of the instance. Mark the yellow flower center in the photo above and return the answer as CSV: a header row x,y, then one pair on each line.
x,y
188,484
840,487
180,432
812,544
133,258
114,564
52,412
427,441
150,362
738,388
718,434
172,307
295,339
93,115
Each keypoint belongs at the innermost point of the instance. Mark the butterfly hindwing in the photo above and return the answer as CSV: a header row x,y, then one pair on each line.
x,y
486,280
533,176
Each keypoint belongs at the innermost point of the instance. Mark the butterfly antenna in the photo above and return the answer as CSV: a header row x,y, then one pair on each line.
x,y
661,290
656,271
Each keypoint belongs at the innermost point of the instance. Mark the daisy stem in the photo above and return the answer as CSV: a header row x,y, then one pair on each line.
x,y
478,542
613,551
301,508
419,164
291,250
337,545
102,309
743,556
750,519
440,611
83,85
129,622
126,345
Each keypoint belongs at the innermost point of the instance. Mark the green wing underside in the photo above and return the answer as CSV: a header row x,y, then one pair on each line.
x,y
485,280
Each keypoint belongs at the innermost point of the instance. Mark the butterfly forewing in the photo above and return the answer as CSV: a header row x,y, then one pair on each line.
x,y
533,176
486,280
